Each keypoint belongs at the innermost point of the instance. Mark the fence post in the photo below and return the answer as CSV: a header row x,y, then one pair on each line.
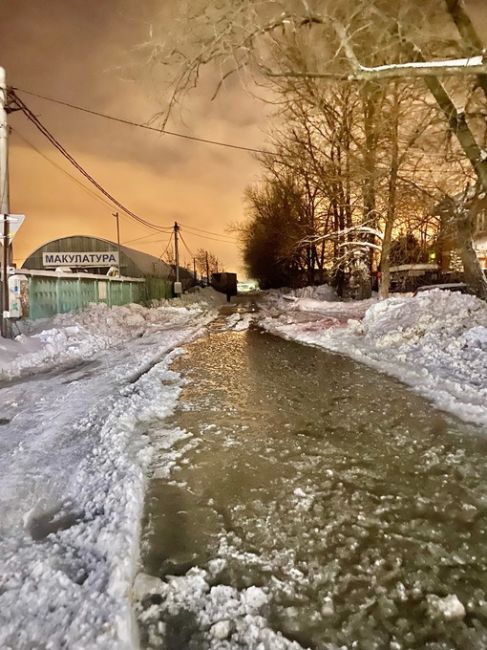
x,y
58,296
80,301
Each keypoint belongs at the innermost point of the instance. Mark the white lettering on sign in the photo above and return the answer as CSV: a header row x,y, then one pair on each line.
x,y
107,258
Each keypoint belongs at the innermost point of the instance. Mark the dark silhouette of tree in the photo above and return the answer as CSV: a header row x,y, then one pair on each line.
x,y
277,220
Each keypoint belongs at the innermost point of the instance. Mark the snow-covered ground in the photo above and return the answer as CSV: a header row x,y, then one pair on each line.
x,y
435,341
73,453
74,447
72,337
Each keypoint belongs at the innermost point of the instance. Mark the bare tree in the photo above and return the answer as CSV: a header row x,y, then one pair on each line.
x,y
207,263
345,41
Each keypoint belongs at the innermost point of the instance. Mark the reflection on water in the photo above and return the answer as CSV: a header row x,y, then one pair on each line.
x,y
354,503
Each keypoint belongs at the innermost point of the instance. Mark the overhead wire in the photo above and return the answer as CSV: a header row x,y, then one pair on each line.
x,y
221,241
64,171
193,230
151,234
167,247
207,232
43,129
140,125
186,246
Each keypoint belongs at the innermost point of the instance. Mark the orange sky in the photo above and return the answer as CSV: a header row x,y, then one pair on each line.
x,y
79,51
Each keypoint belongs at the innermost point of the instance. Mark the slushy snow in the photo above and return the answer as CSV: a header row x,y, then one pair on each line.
x,y
74,450
73,459
436,341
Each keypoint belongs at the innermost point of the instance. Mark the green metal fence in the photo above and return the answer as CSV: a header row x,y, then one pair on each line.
x,y
51,293
158,289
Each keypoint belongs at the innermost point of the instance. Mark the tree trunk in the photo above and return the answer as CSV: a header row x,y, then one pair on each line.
x,y
460,128
391,202
370,100
474,275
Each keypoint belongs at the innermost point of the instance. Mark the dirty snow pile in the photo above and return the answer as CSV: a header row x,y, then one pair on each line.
x,y
74,450
321,299
226,617
435,341
72,495
77,336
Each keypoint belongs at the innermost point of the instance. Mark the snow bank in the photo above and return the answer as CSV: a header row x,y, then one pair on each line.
x,y
77,336
204,295
66,577
435,342
74,457
322,292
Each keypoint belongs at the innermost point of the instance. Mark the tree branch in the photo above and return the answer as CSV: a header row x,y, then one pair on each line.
x,y
475,65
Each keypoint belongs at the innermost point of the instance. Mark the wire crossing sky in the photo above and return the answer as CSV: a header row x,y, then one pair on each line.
x,y
82,54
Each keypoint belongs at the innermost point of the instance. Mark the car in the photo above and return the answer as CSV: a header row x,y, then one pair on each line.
x,y
247,287
448,286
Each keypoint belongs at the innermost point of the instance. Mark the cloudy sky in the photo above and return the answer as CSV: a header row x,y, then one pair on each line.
x,y
81,51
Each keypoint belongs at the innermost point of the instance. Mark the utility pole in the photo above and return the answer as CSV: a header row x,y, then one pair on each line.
x,y
194,269
207,269
176,248
115,214
4,201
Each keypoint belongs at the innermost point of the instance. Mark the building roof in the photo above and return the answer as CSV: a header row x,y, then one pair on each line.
x,y
132,262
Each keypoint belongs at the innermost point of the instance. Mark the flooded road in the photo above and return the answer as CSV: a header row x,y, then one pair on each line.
x,y
355,508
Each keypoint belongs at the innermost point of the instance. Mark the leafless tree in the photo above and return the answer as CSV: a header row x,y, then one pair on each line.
x,y
367,42
207,263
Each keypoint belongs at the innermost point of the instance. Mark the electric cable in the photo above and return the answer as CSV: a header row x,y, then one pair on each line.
x,y
186,246
151,234
32,118
207,232
140,125
167,247
221,241
61,169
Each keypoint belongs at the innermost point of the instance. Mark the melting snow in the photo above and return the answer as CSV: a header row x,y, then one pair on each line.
x,y
435,342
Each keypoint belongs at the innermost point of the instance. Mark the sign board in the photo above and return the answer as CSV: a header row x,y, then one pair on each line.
x,y
80,260
18,288
14,223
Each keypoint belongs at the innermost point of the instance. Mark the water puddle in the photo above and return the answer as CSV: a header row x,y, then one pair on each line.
x,y
314,502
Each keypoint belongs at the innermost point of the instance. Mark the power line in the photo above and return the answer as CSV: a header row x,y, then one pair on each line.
x,y
167,247
101,200
186,246
221,241
151,234
208,232
72,178
30,116
61,169
139,125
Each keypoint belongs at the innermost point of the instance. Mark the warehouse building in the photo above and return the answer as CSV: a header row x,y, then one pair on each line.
x,y
68,273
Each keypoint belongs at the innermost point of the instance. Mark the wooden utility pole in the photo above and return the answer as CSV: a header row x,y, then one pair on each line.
x,y
176,248
207,269
4,202
116,215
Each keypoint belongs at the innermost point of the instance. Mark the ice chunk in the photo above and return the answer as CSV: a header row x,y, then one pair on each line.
x,y
221,630
254,598
146,584
450,608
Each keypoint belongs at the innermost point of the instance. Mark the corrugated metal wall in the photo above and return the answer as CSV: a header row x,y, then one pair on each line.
x,y
52,294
